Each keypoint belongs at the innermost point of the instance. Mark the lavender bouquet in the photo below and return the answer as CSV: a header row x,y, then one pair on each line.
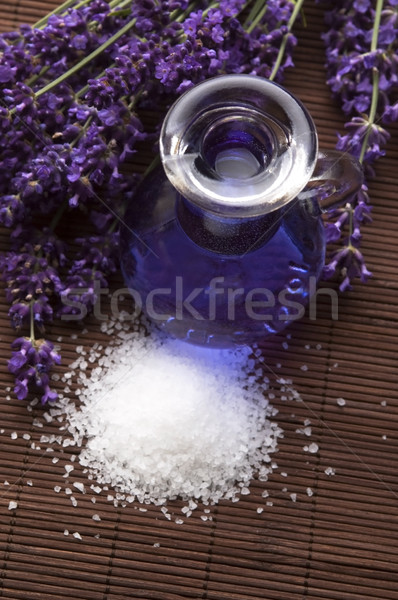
x,y
75,88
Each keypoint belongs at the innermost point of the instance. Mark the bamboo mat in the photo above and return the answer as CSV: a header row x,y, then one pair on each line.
x,y
339,543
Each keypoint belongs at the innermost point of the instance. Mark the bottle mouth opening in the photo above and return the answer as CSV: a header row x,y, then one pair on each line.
x,y
238,145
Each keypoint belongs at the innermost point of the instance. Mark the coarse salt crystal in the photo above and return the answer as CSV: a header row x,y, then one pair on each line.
x,y
12,505
340,401
330,471
79,486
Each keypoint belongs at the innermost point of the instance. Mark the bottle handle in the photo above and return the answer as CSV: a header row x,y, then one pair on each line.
x,y
336,177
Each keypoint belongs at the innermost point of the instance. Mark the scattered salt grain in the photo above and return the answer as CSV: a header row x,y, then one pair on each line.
x,y
79,486
383,403
29,482
312,448
330,471
293,497
340,401
156,545
384,437
66,532
309,492
12,505
260,510
57,489
304,367
14,435
26,436
305,431
96,517
77,535
284,474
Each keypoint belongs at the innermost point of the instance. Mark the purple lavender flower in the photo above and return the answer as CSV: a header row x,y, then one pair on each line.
x,y
364,77
30,363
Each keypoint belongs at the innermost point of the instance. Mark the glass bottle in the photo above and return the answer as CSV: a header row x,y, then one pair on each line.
x,y
224,241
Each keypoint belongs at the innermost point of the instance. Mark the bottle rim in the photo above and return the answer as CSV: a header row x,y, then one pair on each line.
x,y
238,145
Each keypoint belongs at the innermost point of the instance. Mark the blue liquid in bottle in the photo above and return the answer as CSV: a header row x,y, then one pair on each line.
x,y
220,281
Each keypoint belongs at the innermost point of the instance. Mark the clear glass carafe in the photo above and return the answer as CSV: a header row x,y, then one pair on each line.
x,y
224,241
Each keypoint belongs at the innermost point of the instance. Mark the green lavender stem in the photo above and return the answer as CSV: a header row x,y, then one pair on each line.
x,y
282,49
375,80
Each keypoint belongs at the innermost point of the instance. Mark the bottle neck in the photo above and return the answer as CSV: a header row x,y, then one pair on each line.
x,y
228,236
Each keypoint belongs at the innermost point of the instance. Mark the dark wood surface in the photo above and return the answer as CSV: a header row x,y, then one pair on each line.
x,y
341,543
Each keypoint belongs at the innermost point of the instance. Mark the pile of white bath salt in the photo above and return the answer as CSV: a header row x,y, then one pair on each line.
x,y
159,419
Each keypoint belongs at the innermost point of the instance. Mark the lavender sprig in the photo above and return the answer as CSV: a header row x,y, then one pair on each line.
x,y
362,62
